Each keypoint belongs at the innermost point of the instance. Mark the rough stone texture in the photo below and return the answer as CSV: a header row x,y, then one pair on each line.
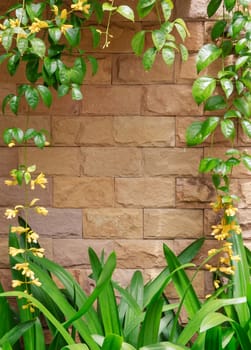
x,y
83,131
112,223
145,192
82,192
112,161
173,223
144,131
170,100
174,161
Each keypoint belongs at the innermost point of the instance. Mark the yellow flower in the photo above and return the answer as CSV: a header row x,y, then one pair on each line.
x,y
32,237
227,270
34,200
19,229
14,251
81,6
26,271
210,268
41,210
231,211
11,144
216,284
2,26
217,205
55,10
11,213
36,26
40,180
10,182
65,27
16,283
64,14
39,252
212,252
14,23
36,282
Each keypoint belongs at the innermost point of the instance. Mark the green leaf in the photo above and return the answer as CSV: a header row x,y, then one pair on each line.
x,y
207,54
22,45
138,42
7,136
246,127
73,36
95,36
144,7
55,34
7,37
158,38
6,100
241,61
168,55
45,95
16,332
21,15
228,129
126,12
14,104
32,97
203,88
50,65
149,58
18,134
31,70
35,10
112,341
184,52
214,103
243,106
208,164
106,6
181,28
94,64
236,27
38,47
229,4
40,139
167,6
227,86
76,93
227,47
13,64
75,347
218,29
246,160
193,133
63,90
164,346
212,7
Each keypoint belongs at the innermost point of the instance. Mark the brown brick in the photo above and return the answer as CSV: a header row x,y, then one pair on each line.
x,y
196,39
112,100
174,161
6,279
59,223
110,223
194,192
4,256
144,131
145,192
170,100
187,69
244,193
129,69
14,195
83,131
54,160
211,218
82,192
131,254
245,221
47,244
173,223
112,161
8,160
191,9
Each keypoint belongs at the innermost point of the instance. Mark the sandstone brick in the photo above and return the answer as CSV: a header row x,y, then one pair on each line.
x,y
8,160
145,192
82,192
244,193
6,279
13,195
144,131
110,223
187,69
4,256
59,223
83,131
129,69
115,161
130,254
47,244
37,122
244,216
194,192
173,223
174,161
197,37
170,100
210,218
191,9
112,100
54,160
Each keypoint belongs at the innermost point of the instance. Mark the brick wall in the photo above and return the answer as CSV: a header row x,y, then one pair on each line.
x,y
120,175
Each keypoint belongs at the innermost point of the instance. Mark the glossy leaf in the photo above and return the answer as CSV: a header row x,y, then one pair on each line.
x,y
167,7
73,36
243,106
14,104
203,88
94,64
208,164
138,42
144,7
45,94
246,127
181,28
227,86
246,160
126,12
76,93
31,70
228,129
218,29
39,140
16,332
213,6
168,55
229,4
22,45
55,34
32,97
149,58
50,64
38,47
207,54
13,64
35,10
7,37
63,90
184,52
95,36
158,38
214,103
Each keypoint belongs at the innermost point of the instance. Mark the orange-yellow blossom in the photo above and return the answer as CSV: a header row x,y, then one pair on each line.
x,y
36,26
40,180
19,229
26,271
14,251
32,237
14,23
65,27
81,6
41,210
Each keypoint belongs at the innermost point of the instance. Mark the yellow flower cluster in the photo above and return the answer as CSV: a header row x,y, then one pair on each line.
x,y
81,5
223,233
37,25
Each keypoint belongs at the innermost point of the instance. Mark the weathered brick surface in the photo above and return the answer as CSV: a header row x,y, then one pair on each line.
x,y
112,223
145,192
144,131
173,223
82,192
112,161
166,161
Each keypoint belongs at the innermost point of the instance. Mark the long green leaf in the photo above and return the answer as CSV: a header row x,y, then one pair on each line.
x,y
16,332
